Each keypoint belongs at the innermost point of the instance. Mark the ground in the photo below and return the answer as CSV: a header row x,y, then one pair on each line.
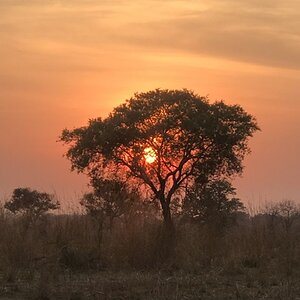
x,y
251,283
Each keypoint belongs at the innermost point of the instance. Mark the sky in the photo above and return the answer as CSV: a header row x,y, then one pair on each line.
x,y
63,62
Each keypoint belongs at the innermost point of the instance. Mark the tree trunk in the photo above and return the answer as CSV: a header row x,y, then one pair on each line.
x,y
168,244
168,222
111,223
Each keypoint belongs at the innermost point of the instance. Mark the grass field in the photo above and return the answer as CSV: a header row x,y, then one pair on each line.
x,y
73,257
248,283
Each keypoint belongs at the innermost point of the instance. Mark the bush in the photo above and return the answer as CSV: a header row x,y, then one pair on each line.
x,y
31,203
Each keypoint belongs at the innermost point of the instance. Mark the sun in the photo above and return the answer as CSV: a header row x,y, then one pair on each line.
x,y
149,155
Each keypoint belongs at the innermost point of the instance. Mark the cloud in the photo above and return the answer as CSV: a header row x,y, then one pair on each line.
x,y
267,35
259,32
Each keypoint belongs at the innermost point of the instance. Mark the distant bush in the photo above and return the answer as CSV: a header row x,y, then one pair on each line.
x,y
31,203
110,199
285,212
213,204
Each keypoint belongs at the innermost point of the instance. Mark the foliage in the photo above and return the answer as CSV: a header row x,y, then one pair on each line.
x,y
31,203
213,203
110,197
286,211
189,137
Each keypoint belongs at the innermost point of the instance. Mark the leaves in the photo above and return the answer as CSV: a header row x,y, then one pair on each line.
x,y
212,203
191,138
31,202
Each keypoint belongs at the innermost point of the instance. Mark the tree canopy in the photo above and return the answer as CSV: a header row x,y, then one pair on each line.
x,y
31,203
214,204
110,197
163,140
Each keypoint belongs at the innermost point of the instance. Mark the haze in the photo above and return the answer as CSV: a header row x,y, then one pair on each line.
x,y
64,62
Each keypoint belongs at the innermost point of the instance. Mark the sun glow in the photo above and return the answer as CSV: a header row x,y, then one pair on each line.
x,y
150,155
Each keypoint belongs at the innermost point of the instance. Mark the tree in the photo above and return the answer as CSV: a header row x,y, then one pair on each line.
x,y
31,203
213,204
110,198
286,211
161,141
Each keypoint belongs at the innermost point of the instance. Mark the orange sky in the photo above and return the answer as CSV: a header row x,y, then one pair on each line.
x,y
65,61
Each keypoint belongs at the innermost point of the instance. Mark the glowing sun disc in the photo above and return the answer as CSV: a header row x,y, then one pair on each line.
x,y
150,155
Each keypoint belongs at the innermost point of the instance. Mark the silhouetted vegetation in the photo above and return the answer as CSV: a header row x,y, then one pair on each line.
x,y
30,204
212,204
163,141
61,256
160,163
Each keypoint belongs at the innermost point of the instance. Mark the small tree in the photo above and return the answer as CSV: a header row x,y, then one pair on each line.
x,y
110,198
213,204
31,203
286,211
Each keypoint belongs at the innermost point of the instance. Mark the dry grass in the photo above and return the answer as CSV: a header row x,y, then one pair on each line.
x,y
212,284
70,257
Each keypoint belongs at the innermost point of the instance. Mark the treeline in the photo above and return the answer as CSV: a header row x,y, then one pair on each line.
x,y
109,236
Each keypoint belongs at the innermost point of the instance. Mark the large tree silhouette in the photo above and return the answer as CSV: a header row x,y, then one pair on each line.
x,y
163,140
